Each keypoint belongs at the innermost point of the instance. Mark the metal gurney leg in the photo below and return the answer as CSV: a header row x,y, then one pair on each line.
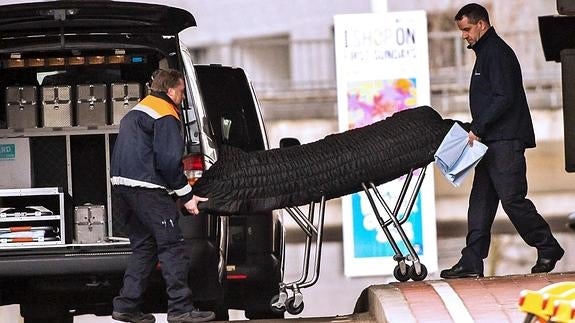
x,y
402,271
294,304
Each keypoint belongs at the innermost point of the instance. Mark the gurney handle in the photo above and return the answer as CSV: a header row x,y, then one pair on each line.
x,y
14,240
27,228
20,229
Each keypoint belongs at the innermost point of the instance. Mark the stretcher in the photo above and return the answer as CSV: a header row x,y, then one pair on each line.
x,y
7,212
242,182
294,176
27,229
28,239
22,234
409,266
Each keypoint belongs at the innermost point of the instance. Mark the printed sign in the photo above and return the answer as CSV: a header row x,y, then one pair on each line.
x,y
382,68
7,151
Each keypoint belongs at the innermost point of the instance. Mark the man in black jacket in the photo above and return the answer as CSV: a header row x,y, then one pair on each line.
x,y
146,167
501,120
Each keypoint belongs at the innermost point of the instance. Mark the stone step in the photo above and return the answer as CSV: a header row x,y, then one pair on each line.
x,y
489,299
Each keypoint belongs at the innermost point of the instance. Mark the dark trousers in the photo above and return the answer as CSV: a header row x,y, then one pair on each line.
x,y
151,219
501,176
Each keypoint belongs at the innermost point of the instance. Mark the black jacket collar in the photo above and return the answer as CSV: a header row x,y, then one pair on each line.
x,y
490,33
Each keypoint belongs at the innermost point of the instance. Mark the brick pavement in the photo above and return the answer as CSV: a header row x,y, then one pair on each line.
x,y
489,299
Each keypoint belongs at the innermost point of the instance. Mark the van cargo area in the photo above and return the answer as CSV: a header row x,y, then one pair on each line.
x,y
69,72
66,148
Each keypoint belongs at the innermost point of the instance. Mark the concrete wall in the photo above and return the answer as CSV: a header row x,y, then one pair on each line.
x,y
222,21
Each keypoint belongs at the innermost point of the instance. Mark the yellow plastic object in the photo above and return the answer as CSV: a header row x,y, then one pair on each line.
x,y
564,311
539,304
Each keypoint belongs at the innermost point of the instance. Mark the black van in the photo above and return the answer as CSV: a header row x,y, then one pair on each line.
x,y
69,70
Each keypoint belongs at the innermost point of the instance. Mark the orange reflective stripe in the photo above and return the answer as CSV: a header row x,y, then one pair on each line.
x,y
160,106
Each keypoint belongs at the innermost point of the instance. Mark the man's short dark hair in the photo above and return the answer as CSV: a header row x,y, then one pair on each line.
x,y
162,80
474,12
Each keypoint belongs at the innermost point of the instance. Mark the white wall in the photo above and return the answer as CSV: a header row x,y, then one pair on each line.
x,y
220,21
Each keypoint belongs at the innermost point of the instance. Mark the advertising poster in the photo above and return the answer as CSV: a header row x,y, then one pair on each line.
x,y
382,67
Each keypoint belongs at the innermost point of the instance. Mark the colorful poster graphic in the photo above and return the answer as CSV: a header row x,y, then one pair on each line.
x,y
371,101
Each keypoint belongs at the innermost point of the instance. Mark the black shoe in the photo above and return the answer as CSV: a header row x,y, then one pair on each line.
x,y
137,317
545,265
191,317
458,271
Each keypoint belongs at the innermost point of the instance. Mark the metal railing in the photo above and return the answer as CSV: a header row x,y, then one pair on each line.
x,y
280,65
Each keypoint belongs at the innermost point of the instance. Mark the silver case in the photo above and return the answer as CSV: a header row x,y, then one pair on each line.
x,y
124,97
90,224
91,105
56,106
21,107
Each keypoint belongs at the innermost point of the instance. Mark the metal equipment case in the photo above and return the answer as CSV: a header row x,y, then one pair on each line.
x,y
91,105
21,108
56,106
90,224
124,97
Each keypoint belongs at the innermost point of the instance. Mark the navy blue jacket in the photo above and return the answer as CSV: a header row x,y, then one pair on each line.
x,y
149,148
496,96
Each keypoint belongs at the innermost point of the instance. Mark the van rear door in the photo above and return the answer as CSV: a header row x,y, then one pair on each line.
x,y
85,16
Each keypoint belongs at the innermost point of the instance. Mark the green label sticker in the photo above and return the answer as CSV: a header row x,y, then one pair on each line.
x,y
7,151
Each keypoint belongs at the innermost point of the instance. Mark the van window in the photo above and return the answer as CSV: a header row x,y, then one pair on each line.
x,y
230,107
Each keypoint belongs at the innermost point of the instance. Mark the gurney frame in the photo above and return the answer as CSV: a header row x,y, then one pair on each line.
x,y
313,228
402,272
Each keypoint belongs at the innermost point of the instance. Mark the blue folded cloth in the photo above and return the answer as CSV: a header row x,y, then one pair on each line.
x,y
455,158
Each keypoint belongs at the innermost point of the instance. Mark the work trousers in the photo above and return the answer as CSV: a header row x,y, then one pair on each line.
x,y
501,176
151,219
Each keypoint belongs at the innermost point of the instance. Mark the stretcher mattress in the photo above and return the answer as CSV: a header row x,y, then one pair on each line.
x,y
337,165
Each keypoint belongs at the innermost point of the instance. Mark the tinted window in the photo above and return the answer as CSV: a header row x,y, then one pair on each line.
x,y
230,107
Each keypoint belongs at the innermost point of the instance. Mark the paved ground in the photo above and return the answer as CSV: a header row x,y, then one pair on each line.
x,y
490,299
356,318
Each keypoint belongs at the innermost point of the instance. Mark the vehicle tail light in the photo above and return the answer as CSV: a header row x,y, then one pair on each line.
x,y
233,275
193,167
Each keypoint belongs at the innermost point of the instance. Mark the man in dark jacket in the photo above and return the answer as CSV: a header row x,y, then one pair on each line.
x,y
501,120
146,168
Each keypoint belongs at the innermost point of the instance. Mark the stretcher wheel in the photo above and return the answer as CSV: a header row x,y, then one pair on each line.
x,y
531,318
402,277
290,306
413,274
275,309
